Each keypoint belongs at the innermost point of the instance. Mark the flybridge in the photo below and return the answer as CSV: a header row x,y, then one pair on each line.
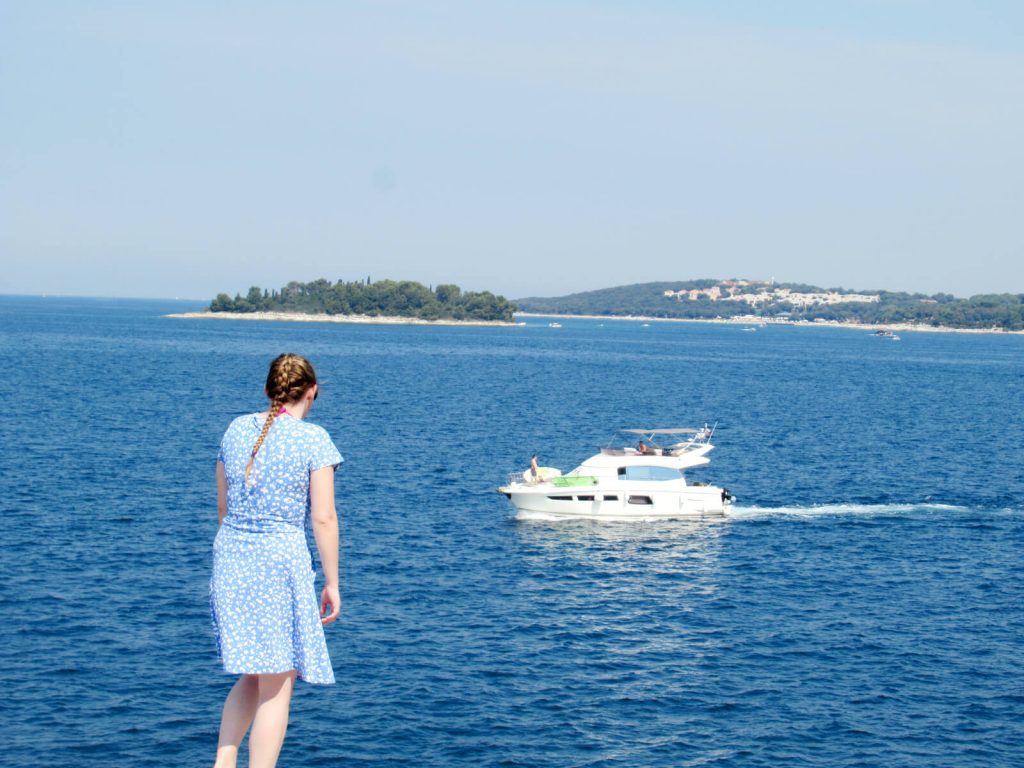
x,y
700,437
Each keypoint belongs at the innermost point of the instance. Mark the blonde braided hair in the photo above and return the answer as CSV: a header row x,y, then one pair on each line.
x,y
289,378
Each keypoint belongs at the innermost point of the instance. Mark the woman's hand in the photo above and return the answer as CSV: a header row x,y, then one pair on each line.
x,y
329,598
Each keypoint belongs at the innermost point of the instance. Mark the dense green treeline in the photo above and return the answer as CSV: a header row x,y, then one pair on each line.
x,y
640,299
389,298
1003,311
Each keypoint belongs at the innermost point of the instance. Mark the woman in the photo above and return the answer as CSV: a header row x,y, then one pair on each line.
x,y
273,472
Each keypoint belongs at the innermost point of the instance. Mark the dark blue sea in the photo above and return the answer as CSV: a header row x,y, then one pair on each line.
x,y
863,607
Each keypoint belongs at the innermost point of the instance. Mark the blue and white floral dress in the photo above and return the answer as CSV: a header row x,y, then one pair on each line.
x,y
266,614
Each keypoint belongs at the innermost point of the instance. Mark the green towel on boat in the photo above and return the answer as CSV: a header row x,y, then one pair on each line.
x,y
572,482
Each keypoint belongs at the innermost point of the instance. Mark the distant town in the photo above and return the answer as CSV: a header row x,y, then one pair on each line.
x,y
738,299
758,294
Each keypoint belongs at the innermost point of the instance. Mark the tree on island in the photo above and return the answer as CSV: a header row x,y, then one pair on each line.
x,y
388,298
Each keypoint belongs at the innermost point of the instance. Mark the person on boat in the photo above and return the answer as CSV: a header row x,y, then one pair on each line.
x,y
274,470
534,468
643,449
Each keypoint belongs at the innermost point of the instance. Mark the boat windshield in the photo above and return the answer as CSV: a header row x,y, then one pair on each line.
x,y
649,473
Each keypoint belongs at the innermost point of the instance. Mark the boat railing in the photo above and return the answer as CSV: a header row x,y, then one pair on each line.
x,y
523,478
672,450
690,445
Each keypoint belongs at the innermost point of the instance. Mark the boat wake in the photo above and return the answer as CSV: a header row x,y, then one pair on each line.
x,y
824,510
740,513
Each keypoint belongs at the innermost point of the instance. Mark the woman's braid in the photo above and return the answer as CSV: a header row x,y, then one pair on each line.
x,y
289,378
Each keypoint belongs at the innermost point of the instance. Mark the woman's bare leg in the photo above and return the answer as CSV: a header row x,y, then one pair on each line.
x,y
239,710
271,721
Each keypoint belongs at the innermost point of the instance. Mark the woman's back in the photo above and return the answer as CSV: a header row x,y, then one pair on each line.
x,y
276,495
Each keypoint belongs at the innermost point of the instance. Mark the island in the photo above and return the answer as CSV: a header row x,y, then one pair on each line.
x,y
383,301
768,301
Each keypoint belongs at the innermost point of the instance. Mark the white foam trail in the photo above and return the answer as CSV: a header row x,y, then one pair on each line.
x,y
539,517
755,512
822,510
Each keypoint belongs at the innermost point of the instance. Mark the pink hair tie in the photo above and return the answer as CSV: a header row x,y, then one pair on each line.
x,y
282,411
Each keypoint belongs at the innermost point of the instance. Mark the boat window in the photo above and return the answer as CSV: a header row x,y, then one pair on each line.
x,y
584,498
609,498
560,498
640,500
649,473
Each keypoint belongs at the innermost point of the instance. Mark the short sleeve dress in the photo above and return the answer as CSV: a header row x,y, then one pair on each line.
x,y
266,614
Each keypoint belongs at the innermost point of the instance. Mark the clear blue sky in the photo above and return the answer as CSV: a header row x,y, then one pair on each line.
x,y
531,148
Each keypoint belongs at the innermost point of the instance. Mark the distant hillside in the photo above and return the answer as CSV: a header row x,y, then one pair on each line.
x,y
391,298
710,298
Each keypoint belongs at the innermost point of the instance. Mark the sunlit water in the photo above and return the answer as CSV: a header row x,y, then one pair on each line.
x,y
864,605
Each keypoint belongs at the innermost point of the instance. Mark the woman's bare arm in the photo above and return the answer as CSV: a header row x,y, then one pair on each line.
x,y
325,531
222,493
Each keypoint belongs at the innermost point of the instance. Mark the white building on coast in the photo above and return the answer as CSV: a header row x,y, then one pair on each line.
x,y
757,294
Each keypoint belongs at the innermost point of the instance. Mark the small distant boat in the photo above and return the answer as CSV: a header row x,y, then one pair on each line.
x,y
554,325
884,333
750,328
646,325
894,337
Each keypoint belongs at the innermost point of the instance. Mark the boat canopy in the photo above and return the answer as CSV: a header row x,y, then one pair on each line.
x,y
673,431
607,463
680,439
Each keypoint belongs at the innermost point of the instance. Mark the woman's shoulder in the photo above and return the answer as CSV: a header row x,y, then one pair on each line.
x,y
246,419
312,436
238,437
317,446
309,430
244,423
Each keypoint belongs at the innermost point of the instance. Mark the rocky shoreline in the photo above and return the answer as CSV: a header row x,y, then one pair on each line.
x,y
301,317
751,320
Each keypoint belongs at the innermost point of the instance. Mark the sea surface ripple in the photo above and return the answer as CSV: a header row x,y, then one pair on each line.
x,y
863,606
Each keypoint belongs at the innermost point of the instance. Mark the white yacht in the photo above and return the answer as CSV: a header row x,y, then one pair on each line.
x,y
632,483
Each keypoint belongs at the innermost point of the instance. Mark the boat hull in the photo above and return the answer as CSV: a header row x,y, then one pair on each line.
x,y
620,503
